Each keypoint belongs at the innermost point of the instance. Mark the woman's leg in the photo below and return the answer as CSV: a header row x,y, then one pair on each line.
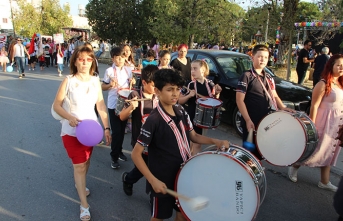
x,y
325,175
80,171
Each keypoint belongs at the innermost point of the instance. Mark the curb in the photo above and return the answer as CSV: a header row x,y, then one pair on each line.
x,y
226,129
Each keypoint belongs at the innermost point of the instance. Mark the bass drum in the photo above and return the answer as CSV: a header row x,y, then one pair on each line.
x,y
233,181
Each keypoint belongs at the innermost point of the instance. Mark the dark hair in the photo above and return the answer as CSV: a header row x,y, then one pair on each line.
x,y
137,44
46,47
327,73
77,52
148,73
131,55
153,42
162,53
259,48
168,76
306,42
88,44
151,53
117,51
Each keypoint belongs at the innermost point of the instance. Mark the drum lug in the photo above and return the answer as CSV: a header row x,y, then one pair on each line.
x,y
256,182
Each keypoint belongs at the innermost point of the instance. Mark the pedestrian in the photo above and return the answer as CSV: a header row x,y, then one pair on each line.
x,y
182,62
150,59
164,59
138,52
129,61
198,86
51,51
59,57
3,59
41,60
47,56
255,94
319,64
18,54
166,134
33,57
139,112
304,61
101,50
327,113
115,78
154,46
71,48
86,92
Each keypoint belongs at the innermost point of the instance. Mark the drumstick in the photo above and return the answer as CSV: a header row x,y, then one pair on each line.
x,y
141,99
198,95
249,139
196,204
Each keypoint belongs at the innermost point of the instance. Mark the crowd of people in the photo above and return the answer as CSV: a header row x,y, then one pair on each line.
x,y
162,132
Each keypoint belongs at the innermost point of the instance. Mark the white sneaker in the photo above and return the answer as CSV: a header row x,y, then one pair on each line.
x,y
60,75
293,174
327,186
29,69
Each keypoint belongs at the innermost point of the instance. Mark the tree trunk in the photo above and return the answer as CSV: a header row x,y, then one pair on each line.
x,y
190,41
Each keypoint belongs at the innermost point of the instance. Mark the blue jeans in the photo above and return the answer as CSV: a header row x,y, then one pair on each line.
x,y
98,54
21,64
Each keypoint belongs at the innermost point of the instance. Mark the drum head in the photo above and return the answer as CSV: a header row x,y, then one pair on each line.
x,y
230,189
209,102
281,138
124,93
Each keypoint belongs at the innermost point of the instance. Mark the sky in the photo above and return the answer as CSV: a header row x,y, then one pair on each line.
x,y
74,4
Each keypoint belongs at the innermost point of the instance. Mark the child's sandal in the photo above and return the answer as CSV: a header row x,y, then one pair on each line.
x,y
84,213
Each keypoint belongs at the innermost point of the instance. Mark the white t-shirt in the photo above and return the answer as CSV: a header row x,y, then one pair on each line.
x,y
123,77
59,58
19,50
71,47
101,47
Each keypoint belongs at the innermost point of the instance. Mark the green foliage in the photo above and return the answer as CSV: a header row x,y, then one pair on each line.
x,y
47,19
310,11
119,20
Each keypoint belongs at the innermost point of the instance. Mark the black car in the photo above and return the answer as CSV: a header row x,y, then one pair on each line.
x,y
225,69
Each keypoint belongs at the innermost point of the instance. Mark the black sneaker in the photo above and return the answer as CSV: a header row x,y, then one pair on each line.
x,y
127,187
23,75
115,165
122,157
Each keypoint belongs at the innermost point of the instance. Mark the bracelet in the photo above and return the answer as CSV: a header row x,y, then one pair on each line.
x,y
107,128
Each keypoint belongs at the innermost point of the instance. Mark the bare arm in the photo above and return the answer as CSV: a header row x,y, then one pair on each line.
x,y
126,112
305,60
200,139
243,109
157,185
184,98
317,96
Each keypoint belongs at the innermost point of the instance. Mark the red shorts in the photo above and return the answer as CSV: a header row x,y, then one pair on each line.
x,y
77,152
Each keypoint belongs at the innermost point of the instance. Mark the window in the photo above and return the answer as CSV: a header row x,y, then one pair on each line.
x,y
234,66
209,61
4,20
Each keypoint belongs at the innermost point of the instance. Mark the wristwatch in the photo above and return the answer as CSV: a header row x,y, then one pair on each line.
x,y
107,128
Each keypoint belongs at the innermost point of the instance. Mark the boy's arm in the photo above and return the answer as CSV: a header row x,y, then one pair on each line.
x,y
243,109
126,112
184,98
157,185
200,139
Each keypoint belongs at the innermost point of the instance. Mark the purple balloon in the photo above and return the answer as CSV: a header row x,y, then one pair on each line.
x,y
89,132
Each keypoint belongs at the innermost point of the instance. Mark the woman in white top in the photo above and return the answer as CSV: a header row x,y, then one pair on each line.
x,y
84,91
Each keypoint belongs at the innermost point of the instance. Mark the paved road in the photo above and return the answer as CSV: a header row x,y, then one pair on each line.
x,y
36,174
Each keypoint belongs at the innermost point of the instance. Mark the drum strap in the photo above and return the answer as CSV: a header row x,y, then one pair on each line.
x,y
154,104
272,101
115,76
182,141
210,93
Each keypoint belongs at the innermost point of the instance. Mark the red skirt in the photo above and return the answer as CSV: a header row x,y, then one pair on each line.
x,y
77,152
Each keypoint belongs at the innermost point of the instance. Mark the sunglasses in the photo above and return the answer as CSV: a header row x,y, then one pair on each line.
x,y
18,40
85,59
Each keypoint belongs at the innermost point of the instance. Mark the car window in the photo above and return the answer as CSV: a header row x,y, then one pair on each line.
x,y
209,61
234,66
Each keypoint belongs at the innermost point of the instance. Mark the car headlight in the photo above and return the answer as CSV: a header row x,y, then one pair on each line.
x,y
288,104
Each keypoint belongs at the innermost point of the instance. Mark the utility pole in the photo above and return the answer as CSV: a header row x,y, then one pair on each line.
x,y
266,34
12,19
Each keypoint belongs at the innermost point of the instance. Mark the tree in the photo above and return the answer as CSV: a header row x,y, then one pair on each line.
x,y
119,20
49,18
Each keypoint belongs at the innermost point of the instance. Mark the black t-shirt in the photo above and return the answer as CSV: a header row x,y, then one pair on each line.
x,y
164,155
319,64
256,100
202,90
185,69
143,106
303,54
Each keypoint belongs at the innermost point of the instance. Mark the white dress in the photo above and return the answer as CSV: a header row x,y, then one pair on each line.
x,y
83,97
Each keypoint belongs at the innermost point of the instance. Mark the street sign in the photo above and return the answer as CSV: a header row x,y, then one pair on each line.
x,y
58,38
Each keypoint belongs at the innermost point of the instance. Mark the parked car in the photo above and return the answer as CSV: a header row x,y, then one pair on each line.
x,y
225,69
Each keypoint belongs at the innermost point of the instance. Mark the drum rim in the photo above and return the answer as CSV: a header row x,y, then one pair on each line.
x,y
228,156
204,105
124,89
306,141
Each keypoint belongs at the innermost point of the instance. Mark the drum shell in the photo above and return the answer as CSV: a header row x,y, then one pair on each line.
x,y
207,116
122,96
242,159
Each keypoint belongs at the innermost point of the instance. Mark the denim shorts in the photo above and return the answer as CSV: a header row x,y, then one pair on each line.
x,y
60,67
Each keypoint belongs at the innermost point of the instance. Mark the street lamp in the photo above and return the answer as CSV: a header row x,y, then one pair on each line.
x,y
266,34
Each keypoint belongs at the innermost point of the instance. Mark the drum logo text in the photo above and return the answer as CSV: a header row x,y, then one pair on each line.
x,y
239,197
273,124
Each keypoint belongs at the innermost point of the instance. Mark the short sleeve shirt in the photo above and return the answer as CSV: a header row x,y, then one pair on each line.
x,y
164,154
303,54
256,100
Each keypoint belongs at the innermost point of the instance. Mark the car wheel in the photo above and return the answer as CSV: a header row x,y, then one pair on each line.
x,y
237,121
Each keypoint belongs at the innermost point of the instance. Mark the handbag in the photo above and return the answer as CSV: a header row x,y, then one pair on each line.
x,y
65,104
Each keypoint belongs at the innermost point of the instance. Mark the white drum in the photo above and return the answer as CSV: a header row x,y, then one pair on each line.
x,y
123,94
285,138
207,112
233,181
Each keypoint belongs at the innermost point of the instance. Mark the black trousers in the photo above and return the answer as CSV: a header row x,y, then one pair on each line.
x,y
301,72
134,175
118,133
